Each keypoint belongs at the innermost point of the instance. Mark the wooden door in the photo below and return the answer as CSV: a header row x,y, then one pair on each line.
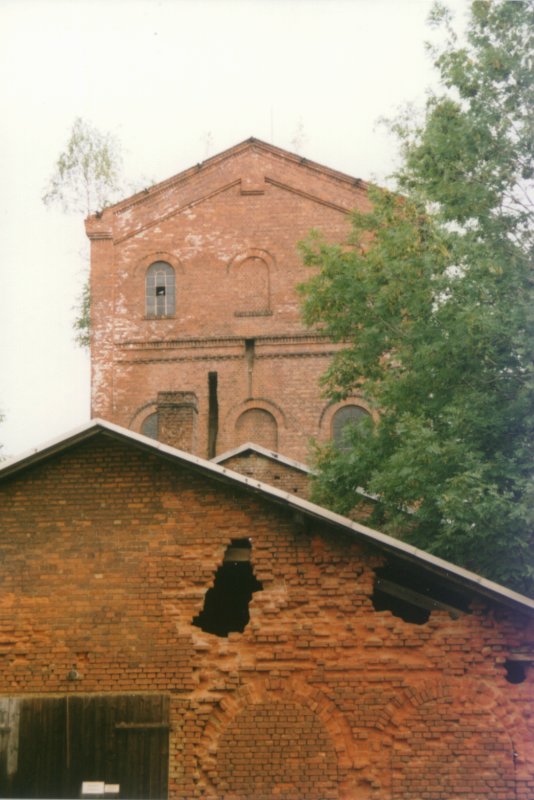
x,y
49,746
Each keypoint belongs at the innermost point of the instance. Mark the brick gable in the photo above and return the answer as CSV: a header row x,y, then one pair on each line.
x,y
108,547
229,228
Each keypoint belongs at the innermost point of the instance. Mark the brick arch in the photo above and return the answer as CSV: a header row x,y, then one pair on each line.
x,y
296,721
139,416
251,252
236,410
259,426
260,404
143,263
452,740
329,410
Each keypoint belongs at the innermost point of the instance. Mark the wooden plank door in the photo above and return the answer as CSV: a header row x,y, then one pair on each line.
x,y
54,744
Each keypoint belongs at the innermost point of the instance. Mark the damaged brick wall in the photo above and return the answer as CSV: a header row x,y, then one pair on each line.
x,y
106,556
229,228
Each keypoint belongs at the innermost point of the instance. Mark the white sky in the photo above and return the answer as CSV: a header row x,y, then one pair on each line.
x,y
176,81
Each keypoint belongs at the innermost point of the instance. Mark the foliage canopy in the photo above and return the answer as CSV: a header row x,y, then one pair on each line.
x,y
86,179
88,171
432,298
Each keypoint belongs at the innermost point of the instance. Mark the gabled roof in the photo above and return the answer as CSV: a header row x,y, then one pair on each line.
x,y
450,572
250,448
208,178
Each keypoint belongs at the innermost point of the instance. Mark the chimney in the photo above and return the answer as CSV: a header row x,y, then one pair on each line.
x,y
177,419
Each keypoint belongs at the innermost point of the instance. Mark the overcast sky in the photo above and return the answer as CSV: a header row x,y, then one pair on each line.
x,y
175,81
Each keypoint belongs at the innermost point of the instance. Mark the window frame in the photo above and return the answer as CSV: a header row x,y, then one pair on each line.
x,y
160,275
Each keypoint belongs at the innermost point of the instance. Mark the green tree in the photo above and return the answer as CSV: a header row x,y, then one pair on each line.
x,y
87,174
432,298
87,178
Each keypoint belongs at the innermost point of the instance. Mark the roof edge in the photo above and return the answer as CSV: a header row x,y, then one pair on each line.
x,y
372,537
251,142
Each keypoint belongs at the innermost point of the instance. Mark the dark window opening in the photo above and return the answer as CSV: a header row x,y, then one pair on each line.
x,y
516,671
226,603
160,291
412,594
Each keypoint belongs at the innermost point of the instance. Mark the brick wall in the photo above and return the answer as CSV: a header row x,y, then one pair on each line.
x,y
230,230
281,475
106,555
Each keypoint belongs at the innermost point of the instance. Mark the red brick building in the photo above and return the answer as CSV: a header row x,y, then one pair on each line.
x,y
170,626
196,332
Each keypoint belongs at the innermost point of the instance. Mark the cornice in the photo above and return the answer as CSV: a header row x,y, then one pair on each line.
x,y
221,341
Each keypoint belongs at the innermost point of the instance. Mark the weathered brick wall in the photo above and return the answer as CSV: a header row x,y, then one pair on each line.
x,y
230,230
106,554
282,476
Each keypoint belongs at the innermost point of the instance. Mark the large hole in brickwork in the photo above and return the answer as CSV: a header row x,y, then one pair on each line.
x,y
226,603
412,594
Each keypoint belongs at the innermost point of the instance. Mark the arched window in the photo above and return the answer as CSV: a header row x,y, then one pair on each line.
x,y
345,416
258,426
160,290
150,426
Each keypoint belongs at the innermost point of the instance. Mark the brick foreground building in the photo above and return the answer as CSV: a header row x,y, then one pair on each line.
x,y
169,625
173,628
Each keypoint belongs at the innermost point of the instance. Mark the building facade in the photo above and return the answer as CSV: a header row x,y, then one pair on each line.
x,y
197,338
169,628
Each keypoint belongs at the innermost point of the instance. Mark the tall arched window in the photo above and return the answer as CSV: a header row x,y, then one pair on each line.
x,y
160,290
345,416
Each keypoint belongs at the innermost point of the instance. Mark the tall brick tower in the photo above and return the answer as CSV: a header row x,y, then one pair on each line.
x,y
197,338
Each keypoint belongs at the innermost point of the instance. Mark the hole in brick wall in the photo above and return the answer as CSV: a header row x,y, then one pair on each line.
x,y
516,671
383,601
226,602
412,594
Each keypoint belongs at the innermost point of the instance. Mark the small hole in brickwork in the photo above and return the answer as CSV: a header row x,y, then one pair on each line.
x,y
515,671
226,602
